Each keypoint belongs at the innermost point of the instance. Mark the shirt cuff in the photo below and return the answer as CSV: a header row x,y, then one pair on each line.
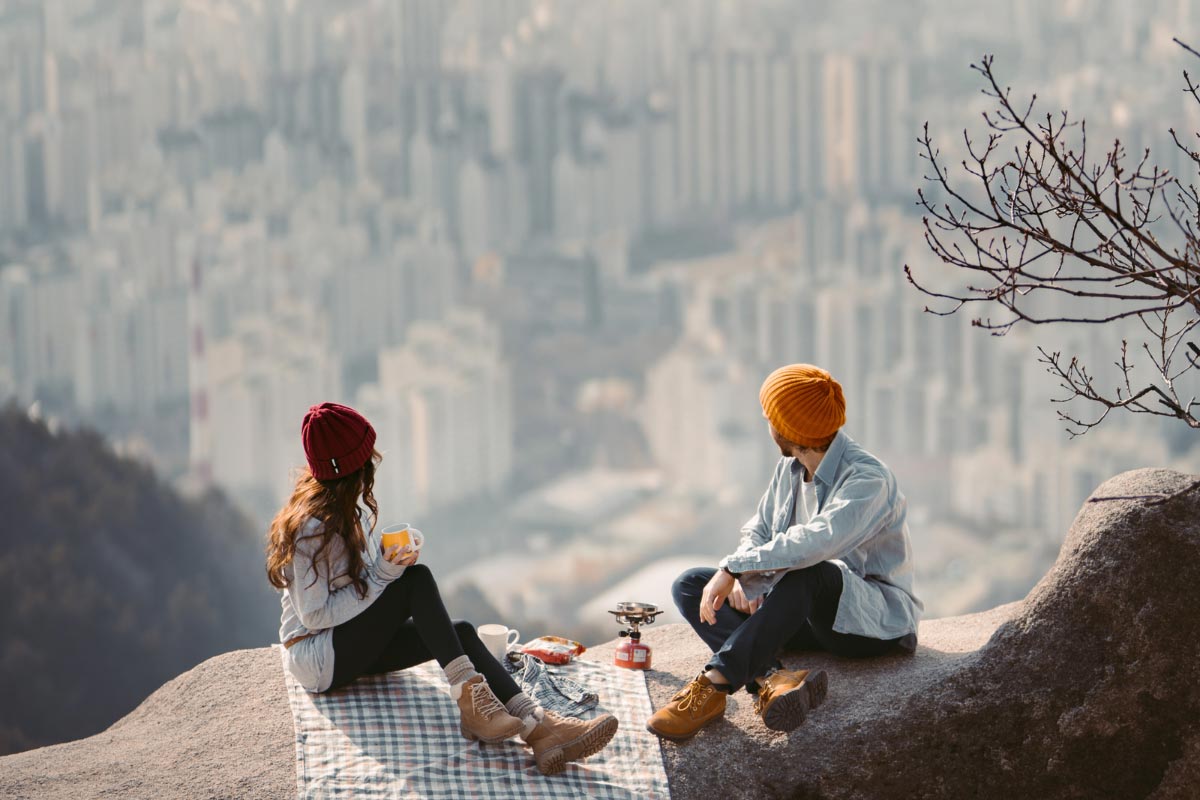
x,y
731,563
389,570
736,563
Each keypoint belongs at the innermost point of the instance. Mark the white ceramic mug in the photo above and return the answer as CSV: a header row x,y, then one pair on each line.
x,y
497,639
409,538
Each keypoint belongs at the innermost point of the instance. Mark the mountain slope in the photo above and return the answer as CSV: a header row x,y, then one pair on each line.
x,y
115,583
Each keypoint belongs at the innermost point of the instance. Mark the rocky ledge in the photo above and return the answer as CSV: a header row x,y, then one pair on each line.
x,y
1088,688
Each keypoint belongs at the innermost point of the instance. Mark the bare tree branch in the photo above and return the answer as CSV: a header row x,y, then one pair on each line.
x,y
1032,212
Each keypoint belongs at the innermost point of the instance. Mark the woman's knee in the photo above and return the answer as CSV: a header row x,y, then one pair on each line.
x,y
418,572
396,590
464,629
417,577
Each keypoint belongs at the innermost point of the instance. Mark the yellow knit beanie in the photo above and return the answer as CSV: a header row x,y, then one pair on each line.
x,y
804,403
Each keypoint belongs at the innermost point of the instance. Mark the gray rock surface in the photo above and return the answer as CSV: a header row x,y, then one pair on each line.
x,y
1088,688
740,755
222,729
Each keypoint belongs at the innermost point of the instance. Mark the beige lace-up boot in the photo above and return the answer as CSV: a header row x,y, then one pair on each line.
x,y
557,739
483,715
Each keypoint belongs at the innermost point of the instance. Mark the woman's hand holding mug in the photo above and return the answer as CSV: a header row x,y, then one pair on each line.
x,y
402,544
397,555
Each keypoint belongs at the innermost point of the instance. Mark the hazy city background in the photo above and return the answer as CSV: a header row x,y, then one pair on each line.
x,y
551,248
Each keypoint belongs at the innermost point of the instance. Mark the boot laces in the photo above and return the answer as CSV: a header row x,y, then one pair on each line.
x,y
694,696
485,703
765,690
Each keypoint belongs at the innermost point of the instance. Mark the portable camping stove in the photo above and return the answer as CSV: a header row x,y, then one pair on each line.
x,y
632,654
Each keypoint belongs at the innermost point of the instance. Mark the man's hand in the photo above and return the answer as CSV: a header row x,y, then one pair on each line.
x,y
714,595
737,599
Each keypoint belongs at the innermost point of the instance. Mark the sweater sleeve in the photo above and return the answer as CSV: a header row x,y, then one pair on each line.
x,y
317,606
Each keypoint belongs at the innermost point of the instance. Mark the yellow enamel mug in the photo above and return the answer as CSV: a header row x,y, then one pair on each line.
x,y
403,534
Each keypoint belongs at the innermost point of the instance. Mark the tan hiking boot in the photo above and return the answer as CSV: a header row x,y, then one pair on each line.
x,y
696,705
557,740
785,697
483,716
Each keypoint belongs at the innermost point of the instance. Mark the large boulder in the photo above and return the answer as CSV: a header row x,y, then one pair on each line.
x,y
1088,688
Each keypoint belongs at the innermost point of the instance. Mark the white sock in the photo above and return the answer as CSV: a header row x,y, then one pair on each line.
x,y
531,721
458,672
526,709
521,705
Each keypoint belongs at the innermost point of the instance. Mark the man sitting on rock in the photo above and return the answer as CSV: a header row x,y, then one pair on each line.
x,y
825,563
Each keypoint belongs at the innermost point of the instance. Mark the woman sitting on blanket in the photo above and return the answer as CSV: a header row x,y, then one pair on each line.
x,y
351,609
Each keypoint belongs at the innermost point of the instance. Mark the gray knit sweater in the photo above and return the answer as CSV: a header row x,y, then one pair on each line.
x,y
317,606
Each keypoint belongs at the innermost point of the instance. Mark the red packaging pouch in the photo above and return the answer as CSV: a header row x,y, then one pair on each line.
x,y
553,649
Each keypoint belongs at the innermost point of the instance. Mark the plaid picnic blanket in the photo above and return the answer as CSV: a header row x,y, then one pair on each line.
x,y
396,736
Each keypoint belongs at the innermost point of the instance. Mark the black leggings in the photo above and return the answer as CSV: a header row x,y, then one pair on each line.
x,y
408,625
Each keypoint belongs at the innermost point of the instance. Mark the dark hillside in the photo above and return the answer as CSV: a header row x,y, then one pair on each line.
x,y
113,583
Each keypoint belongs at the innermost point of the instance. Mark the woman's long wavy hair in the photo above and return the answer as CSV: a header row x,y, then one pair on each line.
x,y
335,503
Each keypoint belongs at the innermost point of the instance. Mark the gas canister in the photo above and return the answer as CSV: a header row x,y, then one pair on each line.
x,y
631,653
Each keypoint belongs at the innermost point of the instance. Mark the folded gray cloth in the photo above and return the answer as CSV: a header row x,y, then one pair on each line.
x,y
547,685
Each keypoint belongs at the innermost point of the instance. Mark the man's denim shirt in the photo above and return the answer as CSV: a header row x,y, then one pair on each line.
x,y
859,526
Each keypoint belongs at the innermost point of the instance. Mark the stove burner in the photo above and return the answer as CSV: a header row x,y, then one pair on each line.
x,y
630,613
632,654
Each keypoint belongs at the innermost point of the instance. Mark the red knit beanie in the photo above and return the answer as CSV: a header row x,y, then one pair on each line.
x,y
337,440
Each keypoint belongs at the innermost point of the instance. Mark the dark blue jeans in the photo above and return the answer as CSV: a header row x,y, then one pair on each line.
x,y
798,614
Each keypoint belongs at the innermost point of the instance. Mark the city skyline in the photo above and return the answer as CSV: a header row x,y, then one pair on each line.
x,y
541,241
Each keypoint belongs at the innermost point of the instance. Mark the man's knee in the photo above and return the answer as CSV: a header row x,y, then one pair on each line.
x,y
689,585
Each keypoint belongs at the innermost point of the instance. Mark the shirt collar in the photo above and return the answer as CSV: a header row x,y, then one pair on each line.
x,y
827,469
